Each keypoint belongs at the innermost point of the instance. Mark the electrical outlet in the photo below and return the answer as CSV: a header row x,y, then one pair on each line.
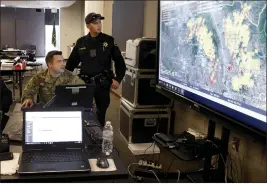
x,y
235,145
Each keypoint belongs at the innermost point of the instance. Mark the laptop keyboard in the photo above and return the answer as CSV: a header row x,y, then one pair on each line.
x,y
67,156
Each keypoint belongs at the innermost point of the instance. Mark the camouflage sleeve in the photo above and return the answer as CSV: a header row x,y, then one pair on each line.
x,y
30,89
77,80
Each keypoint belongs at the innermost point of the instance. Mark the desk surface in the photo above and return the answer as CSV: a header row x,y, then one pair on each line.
x,y
13,70
13,50
28,68
93,152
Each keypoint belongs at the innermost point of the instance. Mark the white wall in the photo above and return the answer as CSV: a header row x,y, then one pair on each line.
x,y
150,19
127,21
107,13
71,26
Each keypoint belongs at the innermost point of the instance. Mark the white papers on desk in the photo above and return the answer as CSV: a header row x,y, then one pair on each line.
x,y
10,167
5,60
95,168
29,68
6,66
12,49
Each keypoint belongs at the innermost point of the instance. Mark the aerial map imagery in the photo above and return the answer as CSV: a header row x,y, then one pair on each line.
x,y
216,47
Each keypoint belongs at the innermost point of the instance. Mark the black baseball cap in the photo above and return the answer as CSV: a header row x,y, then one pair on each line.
x,y
91,17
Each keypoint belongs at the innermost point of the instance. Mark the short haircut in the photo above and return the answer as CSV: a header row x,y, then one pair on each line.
x,y
51,54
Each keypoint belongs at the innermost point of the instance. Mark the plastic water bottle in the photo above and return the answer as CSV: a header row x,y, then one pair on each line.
x,y
107,144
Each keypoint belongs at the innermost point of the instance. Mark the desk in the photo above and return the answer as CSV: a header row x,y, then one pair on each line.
x,y
93,151
13,50
13,53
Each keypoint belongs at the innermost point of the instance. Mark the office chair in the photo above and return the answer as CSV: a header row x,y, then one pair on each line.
x,y
31,52
4,56
31,61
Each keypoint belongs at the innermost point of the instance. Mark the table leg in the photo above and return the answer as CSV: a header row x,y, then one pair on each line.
x,y
16,77
14,85
20,84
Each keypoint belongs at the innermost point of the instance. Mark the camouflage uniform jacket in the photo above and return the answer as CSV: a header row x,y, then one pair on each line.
x,y
44,85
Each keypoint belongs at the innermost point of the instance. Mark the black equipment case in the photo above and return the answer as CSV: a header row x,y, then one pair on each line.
x,y
138,89
139,125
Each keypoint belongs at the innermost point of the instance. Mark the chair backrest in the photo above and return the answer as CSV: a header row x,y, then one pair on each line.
x,y
31,53
33,47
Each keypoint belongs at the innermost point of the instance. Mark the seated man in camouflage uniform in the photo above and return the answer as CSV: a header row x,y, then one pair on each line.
x,y
44,82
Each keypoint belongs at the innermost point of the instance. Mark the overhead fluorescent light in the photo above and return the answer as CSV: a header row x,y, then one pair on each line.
x,y
2,5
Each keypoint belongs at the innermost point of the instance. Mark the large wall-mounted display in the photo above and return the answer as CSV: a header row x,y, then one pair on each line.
x,y
213,53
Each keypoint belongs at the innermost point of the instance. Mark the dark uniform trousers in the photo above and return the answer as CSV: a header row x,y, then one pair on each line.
x,y
96,55
102,100
103,82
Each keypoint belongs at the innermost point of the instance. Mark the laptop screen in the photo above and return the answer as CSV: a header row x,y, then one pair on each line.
x,y
48,127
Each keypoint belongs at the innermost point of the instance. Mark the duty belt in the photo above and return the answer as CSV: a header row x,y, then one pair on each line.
x,y
97,79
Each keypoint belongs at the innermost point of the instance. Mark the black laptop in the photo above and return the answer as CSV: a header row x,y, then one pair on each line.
x,y
53,141
74,96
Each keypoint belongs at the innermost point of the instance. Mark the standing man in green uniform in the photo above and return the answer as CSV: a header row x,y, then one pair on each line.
x,y
44,82
96,51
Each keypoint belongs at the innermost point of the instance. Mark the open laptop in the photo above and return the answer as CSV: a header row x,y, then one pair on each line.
x,y
53,141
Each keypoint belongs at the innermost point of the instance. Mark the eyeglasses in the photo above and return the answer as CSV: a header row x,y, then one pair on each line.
x,y
62,61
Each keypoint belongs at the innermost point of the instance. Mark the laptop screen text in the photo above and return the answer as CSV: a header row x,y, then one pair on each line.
x,y
49,127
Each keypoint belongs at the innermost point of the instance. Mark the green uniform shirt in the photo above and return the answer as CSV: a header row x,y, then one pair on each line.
x,y
44,85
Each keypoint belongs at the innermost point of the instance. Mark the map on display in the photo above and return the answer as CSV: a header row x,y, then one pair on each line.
x,y
217,48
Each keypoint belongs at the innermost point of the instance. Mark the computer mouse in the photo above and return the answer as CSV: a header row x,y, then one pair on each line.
x,y
102,163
